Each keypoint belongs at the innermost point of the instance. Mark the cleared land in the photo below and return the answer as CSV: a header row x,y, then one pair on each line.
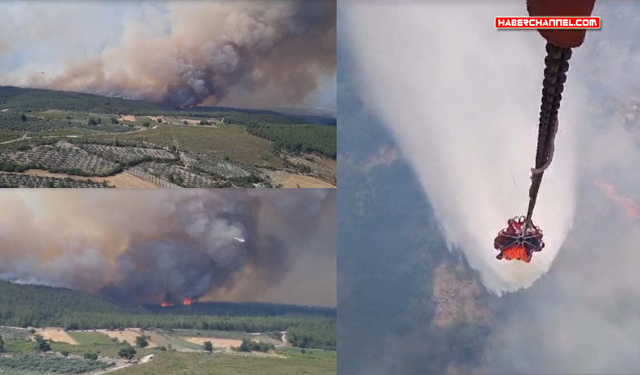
x,y
288,180
128,335
57,335
217,343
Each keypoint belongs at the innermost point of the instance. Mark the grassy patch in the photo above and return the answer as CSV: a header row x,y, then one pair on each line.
x,y
171,362
91,338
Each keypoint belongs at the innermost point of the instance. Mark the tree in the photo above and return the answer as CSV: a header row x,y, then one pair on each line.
x,y
127,353
42,345
114,120
185,122
141,342
208,346
146,124
91,356
23,117
1,345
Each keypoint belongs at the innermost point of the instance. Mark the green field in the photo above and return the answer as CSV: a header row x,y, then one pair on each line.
x,y
91,338
231,141
170,363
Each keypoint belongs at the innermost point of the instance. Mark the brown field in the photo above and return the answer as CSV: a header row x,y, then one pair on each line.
x,y
129,335
128,118
57,335
124,180
288,180
217,343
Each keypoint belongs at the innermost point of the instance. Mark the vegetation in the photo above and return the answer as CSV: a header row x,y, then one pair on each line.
x,y
142,342
38,364
172,362
300,138
313,334
253,346
127,353
39,306
42,345
208,346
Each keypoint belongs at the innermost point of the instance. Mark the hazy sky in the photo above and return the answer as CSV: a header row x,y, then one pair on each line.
x,y
97,45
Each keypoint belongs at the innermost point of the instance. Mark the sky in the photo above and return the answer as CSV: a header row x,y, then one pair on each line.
x,y
139,49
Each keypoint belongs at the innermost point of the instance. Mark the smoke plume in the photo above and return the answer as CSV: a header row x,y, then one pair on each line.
x,y
580,316
180,53
165,246
464,106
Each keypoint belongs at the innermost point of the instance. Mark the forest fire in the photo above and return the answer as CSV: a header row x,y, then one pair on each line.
x,y
184,107
187,301
165,304
631,208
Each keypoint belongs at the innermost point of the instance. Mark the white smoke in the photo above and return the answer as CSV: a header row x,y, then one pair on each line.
x,y
463,100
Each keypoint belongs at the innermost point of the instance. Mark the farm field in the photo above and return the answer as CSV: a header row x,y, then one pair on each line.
x,y
163,147
169,363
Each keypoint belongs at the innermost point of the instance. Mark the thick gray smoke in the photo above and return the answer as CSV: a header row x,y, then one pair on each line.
x,y
169,246
464,106
181,53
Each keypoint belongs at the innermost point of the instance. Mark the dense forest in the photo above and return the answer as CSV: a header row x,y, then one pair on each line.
x,y
300,138
38,306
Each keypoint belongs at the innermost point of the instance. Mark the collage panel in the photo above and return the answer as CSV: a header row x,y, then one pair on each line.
x,y
171,94
455,255
192,281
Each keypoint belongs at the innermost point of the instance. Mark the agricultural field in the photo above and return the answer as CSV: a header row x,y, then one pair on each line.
x,y
14,333
173,362
86,135
49,364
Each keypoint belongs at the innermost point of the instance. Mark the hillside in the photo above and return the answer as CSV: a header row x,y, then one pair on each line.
x,y
66,139
26,99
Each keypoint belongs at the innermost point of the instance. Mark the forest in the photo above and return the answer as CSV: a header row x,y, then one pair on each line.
x,y
39,306
29,100
300,138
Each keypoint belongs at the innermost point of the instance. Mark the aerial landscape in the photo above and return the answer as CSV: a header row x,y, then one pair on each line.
x,y
420,255
200,282
247,100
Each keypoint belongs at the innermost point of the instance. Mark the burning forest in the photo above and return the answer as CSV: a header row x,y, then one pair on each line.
x,y
181,54
172,248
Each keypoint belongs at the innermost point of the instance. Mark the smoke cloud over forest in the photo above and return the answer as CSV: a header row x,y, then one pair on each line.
x,y
170,246
180,53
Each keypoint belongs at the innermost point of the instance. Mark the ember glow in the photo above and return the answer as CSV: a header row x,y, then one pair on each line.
x,y
187,301
165,304
630,206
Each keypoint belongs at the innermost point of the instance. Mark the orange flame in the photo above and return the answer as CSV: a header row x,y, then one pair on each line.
x,y
516,252
187,301
631,207
165,304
